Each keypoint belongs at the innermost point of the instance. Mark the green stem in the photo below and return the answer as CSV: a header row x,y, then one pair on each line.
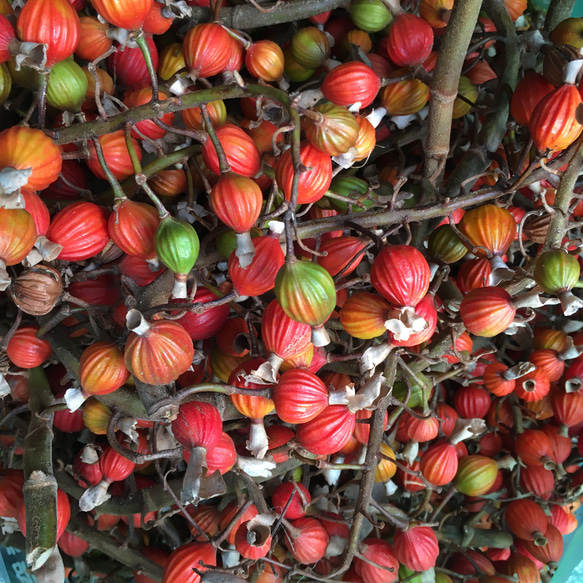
x,y
208,125
141,41
560,218
113,182
557,12
40,487
121,553
444,89
139,176
43,83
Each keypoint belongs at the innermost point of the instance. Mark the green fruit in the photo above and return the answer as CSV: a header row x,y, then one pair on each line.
x,y
417,398
306,292
177,245
349,187
310,47
295,72
556,271
445,245
476,474
5,83
67,86
370,15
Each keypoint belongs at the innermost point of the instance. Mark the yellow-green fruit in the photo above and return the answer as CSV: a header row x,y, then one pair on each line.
x,y
470,92
25,77
5,82
369,15
67,86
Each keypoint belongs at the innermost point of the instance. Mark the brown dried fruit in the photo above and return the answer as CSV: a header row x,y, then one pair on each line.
x,y
37,290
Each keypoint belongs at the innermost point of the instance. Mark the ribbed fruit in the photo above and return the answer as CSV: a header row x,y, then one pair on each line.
x,y
198,424
489,228
327,433
476,475
350,83
331,128
401,275
416,548
487,311
128,14
102,369
185,559
410,40
364,314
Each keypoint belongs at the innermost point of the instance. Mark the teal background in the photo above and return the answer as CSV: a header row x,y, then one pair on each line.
x,y
577,11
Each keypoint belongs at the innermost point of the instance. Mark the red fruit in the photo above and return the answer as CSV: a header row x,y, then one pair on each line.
x,y
401,275
147,127
7,33
495,382
487,311
229,513
128,67
138,269
473,274
264,60
439,463
420,429
472,402
207,48
157,555
313,183
253,542
299,396
157,353
72,545
198,424
132,226
222,456
156,22
252,407
553,124
81,228
447,416
350,83
296,508
562,520
410,40
519,564
128,14
327,433
239,148
533,447
310,546
379,553
259,276
533,386
71,181
207,324
116,156
102,369
343,253
527,520
34,205
538,480
185,559
25,350
417,548
54,23
11,483
528,93
568,408
551,553
25,148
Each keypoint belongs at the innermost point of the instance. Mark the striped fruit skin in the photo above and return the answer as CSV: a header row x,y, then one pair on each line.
x,y
363,315
351,82
401,275
17,235
490,227
204,49
410,40
299,396
102,369
404,97
556,271
476,475
51,22
427,310
237,201
248,405
198,424
160,357
132,226
341,252
313,183
553,124
306,292
22,148
185,558
487,311
439,463
327,433
281,335
176,244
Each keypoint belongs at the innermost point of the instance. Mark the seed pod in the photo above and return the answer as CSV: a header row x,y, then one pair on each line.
x,y
37,290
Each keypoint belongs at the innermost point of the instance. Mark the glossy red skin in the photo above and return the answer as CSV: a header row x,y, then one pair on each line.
x,y
181,562
198,424
410,40
282,335
439,463
311,545
472,402
281,495
380,553
7,33
351,82
25,350
416,548
206,49
401,275
299,396
207,324
51,22
525,518
487,311
129,67
327,433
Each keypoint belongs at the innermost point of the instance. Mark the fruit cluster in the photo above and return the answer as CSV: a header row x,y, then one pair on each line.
x,y
288,302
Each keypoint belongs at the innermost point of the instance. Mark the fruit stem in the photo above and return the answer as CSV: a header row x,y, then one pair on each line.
x,y
208,126
115,185
141,41
140,177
